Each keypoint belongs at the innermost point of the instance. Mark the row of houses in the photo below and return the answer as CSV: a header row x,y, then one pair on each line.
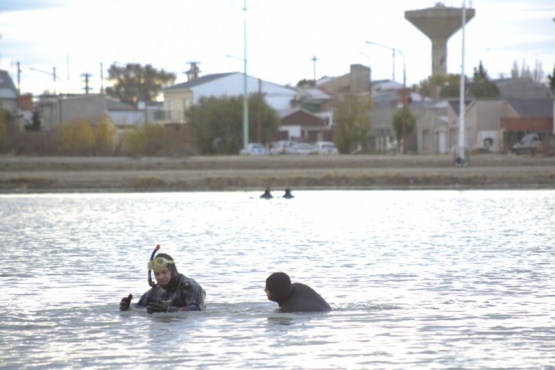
x,y
306,112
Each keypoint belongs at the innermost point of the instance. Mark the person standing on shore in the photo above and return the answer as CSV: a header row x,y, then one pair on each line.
x,y
174,292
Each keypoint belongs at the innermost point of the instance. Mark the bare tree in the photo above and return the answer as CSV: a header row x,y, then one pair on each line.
x,y
525,72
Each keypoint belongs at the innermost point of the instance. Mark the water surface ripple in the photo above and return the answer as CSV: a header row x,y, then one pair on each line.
x,y
417,279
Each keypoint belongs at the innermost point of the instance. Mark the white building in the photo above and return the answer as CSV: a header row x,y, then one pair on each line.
x,y
178,98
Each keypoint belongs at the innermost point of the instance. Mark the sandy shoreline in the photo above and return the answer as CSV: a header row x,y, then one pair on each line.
x,y
236,173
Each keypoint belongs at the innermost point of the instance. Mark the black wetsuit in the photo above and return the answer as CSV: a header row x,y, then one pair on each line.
x,y
182,292
303,299
294,297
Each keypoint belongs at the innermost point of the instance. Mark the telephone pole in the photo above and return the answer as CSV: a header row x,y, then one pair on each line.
x,y
54,75
86,88
18,79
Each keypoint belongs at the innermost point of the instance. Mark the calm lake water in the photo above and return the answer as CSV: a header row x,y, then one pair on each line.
x,y
417,279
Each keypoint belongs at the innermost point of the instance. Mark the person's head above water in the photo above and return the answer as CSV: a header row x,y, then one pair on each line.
x,y
266,194
293,297
164,269
288,193
278,286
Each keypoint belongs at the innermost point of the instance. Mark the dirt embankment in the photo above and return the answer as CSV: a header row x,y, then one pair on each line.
x,y
222,173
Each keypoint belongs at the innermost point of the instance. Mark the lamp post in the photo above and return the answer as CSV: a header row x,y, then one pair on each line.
x,y
245,87
404,118
369,64
460,157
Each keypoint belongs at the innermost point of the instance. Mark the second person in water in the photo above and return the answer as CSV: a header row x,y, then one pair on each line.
x,y
293,297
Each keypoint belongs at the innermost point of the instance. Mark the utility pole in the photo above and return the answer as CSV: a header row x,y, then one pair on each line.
x,y
404,95
259,118
101,79
18,79
86,88
54,75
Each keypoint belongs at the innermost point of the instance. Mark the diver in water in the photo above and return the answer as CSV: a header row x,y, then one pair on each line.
x,y
288,194
294,297
267,194
174,292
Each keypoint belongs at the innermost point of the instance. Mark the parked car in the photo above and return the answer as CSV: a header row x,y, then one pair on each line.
x,y
302,149
529,143
254,149
281,147
326,147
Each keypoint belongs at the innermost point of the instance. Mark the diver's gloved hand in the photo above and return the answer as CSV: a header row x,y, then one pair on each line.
x,y
125,303
160,307
192,307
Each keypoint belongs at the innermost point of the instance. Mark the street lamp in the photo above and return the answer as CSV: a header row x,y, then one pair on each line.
x,y
460,158
404,118
245,104
245,87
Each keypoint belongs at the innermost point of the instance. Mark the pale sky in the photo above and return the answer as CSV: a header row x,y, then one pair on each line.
x,y
282,37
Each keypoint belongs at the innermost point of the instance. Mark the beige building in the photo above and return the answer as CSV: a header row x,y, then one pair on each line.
x,y
493,125
357,81
523,100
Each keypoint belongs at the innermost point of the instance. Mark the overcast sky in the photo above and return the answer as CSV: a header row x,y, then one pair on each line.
x,y
283,36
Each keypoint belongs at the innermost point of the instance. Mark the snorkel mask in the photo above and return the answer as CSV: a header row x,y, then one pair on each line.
x,y
158,263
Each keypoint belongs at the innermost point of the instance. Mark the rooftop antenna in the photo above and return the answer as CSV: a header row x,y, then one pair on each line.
x,y
193,72
314,59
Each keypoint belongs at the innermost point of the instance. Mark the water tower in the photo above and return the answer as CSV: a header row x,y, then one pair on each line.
x,y
439,23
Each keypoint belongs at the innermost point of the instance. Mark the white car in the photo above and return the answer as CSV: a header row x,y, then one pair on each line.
x,y
281,147
529,143
326,147
254,149
302,149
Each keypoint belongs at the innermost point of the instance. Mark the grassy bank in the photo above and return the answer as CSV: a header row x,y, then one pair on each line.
x,y
120,174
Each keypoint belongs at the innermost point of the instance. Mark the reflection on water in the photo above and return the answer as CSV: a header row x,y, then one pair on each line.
x,y
417,279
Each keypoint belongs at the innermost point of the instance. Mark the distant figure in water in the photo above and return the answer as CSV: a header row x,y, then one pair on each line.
x,y
267,194
294,297
459,162
288,194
